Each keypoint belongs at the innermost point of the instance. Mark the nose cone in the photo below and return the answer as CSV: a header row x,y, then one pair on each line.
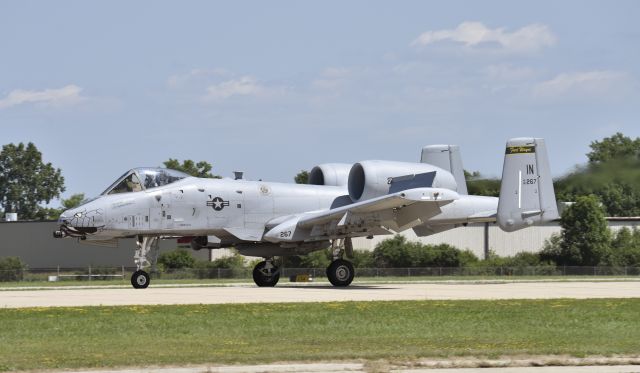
x,y
81,221
81,218
86,219
64,217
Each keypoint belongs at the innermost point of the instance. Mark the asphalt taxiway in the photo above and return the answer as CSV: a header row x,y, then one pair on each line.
x,y
245,293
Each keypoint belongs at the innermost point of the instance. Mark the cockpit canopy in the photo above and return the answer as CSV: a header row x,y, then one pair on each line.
x,y
143,178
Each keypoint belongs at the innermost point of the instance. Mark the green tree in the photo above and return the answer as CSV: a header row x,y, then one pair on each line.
x,y
200,169
12,269
176,259
316,259
363,259
612,174
227,262
393,252
26,181
615,147
585,235
441,255
626,247
302,177
616,183
73,201
49,213
479,186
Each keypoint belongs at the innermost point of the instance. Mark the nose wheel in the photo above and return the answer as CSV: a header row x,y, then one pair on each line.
x,y
140,279
266,274
145,256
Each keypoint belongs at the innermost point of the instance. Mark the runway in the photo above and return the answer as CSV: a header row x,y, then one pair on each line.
x,y
73,296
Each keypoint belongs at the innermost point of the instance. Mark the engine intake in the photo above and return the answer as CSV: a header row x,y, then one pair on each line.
x,y
369,179
332,174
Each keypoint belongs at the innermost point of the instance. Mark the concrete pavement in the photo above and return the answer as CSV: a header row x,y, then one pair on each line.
x,y
73,297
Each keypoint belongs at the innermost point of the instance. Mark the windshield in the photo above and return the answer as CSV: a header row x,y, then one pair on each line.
x,y
139,179
155,177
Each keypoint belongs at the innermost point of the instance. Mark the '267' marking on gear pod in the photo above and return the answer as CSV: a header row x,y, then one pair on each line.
x,y
520,149
218,203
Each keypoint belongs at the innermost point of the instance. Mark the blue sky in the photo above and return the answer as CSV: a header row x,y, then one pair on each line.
x,y
275,87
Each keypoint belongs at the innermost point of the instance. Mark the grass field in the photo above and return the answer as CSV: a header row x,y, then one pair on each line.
x,y
41,338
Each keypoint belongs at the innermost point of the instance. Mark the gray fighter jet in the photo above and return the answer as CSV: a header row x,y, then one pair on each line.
x,y
268,219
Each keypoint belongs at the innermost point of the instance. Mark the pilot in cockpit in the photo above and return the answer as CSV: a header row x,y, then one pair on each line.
x,y
128,184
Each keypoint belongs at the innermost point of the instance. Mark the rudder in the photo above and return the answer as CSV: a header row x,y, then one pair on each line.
x,y
526,191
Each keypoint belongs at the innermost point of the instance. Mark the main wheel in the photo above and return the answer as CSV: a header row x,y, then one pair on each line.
x,y
340,272
263,276
140,279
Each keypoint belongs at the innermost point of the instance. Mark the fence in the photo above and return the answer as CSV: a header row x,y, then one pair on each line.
x,y
122,273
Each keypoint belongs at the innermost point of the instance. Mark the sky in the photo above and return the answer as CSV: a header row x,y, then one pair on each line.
x,y
272,88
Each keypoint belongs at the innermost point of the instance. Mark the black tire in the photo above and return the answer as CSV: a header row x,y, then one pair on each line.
x,y
263,280
140,279
340,273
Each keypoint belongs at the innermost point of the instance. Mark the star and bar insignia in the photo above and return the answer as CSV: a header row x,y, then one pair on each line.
x,y
218,203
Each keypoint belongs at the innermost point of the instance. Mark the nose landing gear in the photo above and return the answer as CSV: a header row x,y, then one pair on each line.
x,y
140,279
146,246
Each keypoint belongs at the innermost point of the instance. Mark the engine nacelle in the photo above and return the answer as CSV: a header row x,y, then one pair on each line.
x,y
332,174
369,179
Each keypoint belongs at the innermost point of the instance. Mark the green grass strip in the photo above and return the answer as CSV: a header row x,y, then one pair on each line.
x,y
44,338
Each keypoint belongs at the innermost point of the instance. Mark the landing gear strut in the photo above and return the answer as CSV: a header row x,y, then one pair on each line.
x,y
266,273
341,272
146,246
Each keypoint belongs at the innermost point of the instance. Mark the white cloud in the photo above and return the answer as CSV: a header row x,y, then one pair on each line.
x,y
65,96
505,72
243,86
331,78
529,38
583,84
177,80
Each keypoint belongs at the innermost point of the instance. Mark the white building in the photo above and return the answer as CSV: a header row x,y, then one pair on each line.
x,y
482,237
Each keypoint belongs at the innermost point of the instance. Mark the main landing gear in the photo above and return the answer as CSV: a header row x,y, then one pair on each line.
x,y
266,273
146,246
341,272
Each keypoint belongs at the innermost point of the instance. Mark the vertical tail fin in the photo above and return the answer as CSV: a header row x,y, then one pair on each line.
x,y
526,192
448,158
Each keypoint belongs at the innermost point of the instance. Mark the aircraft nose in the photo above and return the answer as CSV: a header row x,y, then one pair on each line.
x,y
64,217
81,221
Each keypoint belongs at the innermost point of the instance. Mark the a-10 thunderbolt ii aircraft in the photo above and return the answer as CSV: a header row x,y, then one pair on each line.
x,y
267,219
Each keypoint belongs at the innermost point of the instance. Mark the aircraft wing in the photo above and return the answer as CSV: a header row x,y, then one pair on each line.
x,y
382,215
